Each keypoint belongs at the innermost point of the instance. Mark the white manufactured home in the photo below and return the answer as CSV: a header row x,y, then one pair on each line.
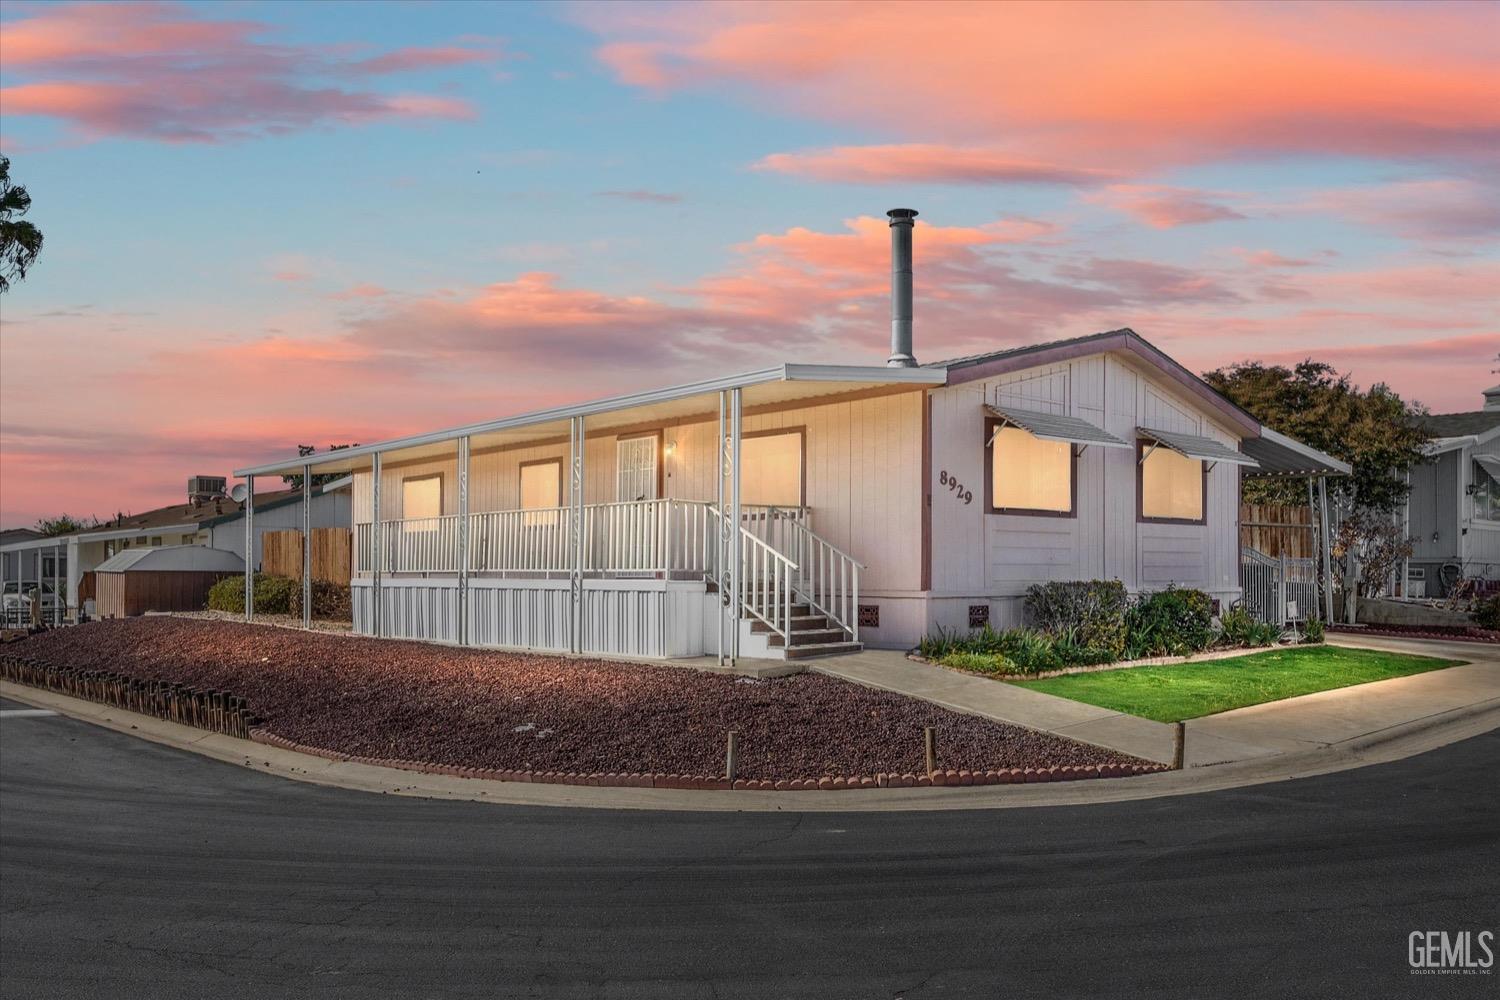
x,y
804,509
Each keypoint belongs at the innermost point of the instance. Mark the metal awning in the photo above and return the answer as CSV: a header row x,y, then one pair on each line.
x,y
1490,464
1056,427
1192,446
1280,455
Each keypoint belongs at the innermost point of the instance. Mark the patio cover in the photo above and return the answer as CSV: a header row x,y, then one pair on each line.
x,y
1056,427
1490,464
1280,455
1200,448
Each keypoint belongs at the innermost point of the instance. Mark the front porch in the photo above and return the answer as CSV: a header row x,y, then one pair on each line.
x,y
651,573
744,517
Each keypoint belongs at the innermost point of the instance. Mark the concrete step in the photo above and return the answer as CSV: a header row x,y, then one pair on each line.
x,y
822,649
800,623
811,637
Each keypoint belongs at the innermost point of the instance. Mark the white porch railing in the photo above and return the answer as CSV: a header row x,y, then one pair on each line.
x,y
783,562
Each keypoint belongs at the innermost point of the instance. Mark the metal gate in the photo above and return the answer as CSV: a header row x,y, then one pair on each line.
x,y
1274,586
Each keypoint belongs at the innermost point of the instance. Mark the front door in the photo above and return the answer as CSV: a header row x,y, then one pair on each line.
x,y
635,462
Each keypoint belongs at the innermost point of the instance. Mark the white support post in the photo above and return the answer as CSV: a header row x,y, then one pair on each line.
x,y
249,548
463,540
576,446
721,534
74,580
377,550
736,548
307,545
1327,532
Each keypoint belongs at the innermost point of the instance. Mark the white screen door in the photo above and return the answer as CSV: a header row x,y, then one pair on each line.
x,y
635,462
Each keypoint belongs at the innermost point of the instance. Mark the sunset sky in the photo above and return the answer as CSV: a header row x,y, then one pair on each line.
x,y
271,224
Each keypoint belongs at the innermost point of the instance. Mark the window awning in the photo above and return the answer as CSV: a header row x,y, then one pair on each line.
x,y
1490,464
1056,427
1201,448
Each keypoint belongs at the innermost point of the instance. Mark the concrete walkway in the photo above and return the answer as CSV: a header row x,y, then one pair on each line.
x,y
1314,720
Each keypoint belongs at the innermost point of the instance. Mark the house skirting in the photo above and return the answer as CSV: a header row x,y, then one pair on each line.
x,y
623,617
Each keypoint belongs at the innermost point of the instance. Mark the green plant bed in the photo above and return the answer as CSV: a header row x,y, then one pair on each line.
x,y
1189,690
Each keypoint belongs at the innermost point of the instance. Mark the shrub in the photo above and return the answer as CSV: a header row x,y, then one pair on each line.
x,y
1029,651
273,594
1487,612
1089,613
1075,653
1171,622
330,601
1238,627
983,663
1312,630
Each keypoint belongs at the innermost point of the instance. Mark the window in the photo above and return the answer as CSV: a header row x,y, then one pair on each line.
x,y
422,496
1028,475
1486,494
541,484
1171,486
771,469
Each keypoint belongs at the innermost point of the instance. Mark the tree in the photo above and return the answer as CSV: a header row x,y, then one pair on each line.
x,y
1375,431
65,524
20,242
319,478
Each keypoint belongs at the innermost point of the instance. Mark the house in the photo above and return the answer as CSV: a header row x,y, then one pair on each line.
x,y
1452,513
209,518
806,509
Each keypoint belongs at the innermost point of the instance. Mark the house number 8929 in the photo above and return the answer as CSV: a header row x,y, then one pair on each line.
x,y
959,490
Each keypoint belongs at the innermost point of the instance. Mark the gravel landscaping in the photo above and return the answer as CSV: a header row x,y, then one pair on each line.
x,y
490,709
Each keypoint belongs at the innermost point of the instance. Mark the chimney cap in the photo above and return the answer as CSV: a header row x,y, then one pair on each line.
x,y
901,214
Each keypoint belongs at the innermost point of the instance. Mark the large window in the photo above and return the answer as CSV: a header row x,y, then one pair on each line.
x,y
422,496
1027,474
772,469
1486,494
1172,486
541,484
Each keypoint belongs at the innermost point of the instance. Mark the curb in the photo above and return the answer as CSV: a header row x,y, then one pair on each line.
x,y
702,782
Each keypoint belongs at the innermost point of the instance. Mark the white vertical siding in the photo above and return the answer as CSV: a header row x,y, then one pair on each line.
x,y
997,556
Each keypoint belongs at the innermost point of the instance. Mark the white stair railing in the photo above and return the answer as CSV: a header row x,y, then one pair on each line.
x,y
827,578
764,589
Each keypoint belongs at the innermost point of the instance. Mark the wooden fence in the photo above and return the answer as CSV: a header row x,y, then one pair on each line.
x,y
332,550
1278,531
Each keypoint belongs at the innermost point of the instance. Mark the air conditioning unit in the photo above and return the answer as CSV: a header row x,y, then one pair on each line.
x,y
206,487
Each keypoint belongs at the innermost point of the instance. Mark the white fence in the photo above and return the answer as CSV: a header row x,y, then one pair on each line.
x,y
783,562
1271,584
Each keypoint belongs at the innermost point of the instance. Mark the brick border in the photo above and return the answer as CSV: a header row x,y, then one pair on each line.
x,y
701,782
221,712
1460,633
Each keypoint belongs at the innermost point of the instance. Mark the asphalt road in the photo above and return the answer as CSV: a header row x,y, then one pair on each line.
x,y
128,869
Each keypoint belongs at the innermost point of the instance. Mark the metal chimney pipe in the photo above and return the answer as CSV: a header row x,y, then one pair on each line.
x,y
902,221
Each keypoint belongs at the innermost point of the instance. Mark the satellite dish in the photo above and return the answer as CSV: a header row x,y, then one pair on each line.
x,y
239,493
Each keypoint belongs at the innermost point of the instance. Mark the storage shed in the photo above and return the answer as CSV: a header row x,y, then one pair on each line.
x,y
175,578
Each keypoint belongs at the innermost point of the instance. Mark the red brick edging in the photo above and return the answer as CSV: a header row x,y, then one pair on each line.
x,y
700,782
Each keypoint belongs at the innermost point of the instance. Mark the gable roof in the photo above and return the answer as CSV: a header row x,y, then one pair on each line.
x,y
1123,340
1447,425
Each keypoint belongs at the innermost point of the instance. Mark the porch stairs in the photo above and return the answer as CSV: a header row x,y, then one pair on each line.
x,y
812,635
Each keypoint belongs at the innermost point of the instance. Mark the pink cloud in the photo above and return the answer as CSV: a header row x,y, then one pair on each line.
x,y
1164,207
1431,209
1270,258
1132,86
906,162
159,71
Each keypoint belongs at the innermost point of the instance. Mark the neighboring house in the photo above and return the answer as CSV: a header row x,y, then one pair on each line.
x,y
15,565
208,519
1453,511
876,503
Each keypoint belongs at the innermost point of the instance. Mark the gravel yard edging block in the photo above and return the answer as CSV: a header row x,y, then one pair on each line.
x,y
1467,633
703,782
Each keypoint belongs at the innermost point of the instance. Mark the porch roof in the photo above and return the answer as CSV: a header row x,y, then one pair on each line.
x,y
782,384
1280,455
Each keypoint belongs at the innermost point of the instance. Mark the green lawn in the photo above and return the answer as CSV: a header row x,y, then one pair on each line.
x,y
1188,690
